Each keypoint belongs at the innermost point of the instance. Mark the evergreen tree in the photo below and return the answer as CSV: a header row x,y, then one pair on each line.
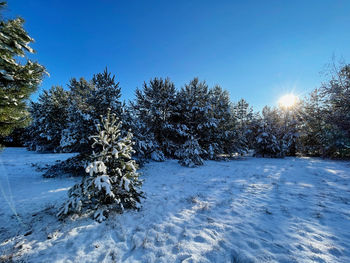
x,y
312,138
291,134
290,128
243,114
206,114
49,119
105,95
17,138
146,146
193,115
225,136
266,144
337,112
17,81
113,182
190,153
269,142
87,102
75,138
154,108
326,117
278,132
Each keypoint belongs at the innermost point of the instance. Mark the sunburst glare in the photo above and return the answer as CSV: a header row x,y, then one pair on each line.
x,y
288,100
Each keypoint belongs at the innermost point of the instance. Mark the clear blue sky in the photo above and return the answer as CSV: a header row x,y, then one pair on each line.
x,y
258,50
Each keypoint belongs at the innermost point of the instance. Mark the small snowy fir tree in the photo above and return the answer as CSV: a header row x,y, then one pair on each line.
x,y
190,153
113,182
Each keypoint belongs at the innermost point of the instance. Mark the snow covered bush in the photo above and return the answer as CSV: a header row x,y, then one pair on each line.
x,y
112,182
190,153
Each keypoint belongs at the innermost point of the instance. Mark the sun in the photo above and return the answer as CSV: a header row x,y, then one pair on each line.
x,y
288,100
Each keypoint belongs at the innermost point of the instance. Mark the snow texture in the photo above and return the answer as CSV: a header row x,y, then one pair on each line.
x,y
246,210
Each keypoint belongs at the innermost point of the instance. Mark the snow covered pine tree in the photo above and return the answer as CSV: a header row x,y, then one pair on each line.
x,y
154,109
112,183
267,145
190,153
49,119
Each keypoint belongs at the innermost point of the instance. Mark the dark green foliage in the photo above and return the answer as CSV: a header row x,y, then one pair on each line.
x,y
17,80
193,112
63,121
312,140
17,138
73,166
195,118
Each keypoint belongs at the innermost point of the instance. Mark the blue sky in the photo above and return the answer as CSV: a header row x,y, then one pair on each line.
x,y
258,50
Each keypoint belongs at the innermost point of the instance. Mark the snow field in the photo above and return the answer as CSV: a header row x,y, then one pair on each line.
x,y
247,210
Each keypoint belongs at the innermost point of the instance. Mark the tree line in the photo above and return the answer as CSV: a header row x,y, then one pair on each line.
x,y
194,122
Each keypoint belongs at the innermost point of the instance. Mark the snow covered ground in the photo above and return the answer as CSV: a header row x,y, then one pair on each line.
x,y
247,210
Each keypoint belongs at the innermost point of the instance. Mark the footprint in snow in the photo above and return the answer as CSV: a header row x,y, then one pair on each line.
x,y
335,252
314,249
182,258
199,239
253,245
